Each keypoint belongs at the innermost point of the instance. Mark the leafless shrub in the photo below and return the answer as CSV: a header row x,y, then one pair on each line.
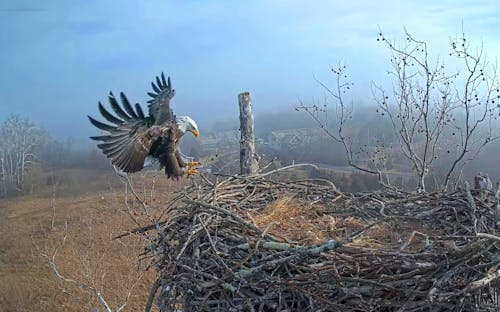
x,y
93,264
342,114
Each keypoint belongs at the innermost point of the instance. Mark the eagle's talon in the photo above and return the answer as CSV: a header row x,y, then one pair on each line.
x,y
190,172
192,164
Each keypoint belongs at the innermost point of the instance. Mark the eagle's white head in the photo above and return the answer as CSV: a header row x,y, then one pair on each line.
x,y
186,123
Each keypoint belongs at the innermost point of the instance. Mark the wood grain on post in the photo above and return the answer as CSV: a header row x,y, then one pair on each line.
x,y
248,157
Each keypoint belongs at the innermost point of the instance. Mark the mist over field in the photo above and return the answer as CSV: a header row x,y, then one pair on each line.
x,y
361,96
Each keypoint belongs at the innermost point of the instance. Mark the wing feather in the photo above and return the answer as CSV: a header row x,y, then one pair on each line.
x,y
116,154
101,125
116,107
128,141
123,156
113,144
157,89
140,113
108,116
108,138
163,80
159,105
127,106
101,137
136,162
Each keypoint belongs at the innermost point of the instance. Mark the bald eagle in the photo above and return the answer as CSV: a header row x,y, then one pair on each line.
x,y
132,136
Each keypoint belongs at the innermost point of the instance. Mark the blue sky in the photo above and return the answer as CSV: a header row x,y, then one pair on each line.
x,y
58,58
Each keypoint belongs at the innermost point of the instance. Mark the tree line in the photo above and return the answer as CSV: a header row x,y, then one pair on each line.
x,y
27,151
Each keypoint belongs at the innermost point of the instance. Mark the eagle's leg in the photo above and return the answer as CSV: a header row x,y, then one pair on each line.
x,y
180,161
187,167
183,163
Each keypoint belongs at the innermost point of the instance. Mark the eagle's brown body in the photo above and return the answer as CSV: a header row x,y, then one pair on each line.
x,y
167,152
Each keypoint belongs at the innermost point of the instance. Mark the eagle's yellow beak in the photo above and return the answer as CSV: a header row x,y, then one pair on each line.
x,y
196,133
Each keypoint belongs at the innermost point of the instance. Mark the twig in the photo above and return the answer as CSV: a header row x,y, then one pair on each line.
x,y
472,206
488,236
152,294
227,212
287,168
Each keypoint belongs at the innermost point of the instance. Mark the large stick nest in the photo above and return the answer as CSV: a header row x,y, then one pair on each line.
x,y
253,244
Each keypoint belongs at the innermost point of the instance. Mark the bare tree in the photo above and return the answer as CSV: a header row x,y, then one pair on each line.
x,y
429,107
342,114
19,139
435,114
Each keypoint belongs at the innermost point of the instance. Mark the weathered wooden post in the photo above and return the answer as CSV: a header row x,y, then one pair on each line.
x,y
248,157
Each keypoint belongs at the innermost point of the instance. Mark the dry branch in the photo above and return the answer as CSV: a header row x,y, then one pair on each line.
x,y
215,253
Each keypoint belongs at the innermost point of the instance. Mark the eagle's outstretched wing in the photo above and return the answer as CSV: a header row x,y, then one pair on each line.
x,y
129,139
159,105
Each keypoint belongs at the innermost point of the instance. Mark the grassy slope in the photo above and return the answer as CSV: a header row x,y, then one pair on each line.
x,y
75,226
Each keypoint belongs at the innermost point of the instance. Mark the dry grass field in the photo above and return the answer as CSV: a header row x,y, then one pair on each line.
x,y
68,229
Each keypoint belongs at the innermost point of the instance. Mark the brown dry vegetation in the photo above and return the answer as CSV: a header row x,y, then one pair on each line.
x,y
296,220
72,224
